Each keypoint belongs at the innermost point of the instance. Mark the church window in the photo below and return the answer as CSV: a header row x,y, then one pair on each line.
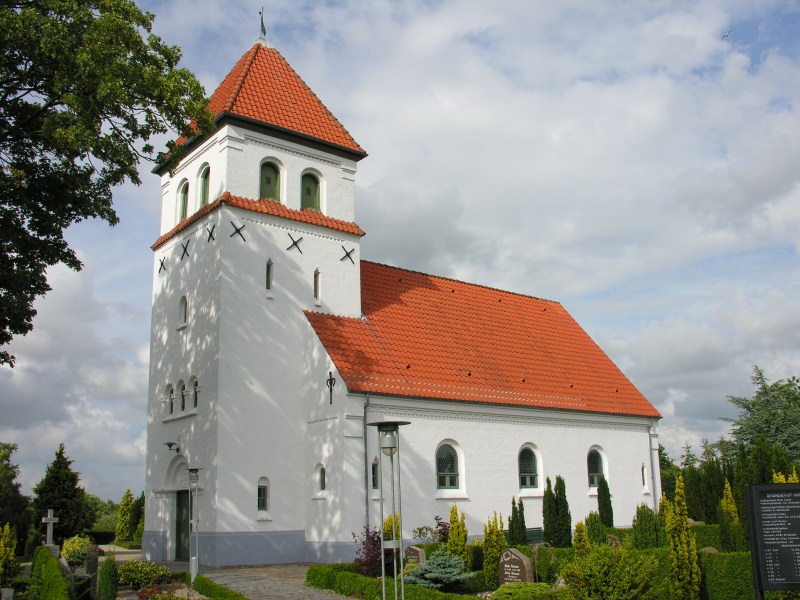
x,y
528,476
594,464
309,189
195,393
446,467
270,182
183,199
375,483
269,274
316,285
170,400
183,312
204,177
182,388
322,479
263,494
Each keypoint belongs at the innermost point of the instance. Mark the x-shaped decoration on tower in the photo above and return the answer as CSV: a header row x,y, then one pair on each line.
x,y
348,254
211,233
295,243
162,266
185,248
238,230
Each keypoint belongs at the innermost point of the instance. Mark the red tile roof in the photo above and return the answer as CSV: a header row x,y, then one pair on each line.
x,y
432,337
267,207
262,86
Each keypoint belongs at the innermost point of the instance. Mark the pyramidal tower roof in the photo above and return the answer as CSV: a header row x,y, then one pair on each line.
x,y
263,87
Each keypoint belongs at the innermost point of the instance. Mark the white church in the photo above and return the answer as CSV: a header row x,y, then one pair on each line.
x,y
274,344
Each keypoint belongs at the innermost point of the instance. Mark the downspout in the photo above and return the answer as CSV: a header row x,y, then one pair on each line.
x,y
366,464
650,436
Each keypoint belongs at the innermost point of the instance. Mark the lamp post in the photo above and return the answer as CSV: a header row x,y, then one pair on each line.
x,y
389,442
194,559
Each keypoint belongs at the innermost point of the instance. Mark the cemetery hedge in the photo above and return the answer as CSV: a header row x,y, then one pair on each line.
x,y
707,536
47,582
212,590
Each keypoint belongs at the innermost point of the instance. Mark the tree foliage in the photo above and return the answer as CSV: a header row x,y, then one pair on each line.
x,y
773,412
581,544
517,535
731,536
13,504
684,568
647,530
563,516
124,513
84,86
604,506
549,514
8,563
494,542
457,538
59,489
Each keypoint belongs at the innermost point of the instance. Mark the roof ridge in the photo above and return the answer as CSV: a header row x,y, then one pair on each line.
x,y
467,283
240,80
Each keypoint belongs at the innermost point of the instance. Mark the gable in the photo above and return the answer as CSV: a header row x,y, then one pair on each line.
x,y
432,337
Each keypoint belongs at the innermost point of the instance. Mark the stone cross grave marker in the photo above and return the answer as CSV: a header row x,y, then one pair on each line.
x,y
49,520
515,567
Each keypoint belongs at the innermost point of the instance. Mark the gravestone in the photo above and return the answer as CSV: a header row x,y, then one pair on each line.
x,y
515,567
49,521
614,541
416,554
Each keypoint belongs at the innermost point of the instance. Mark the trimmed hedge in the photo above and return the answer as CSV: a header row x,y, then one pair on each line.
x,y
139,574
47,582
527,591
338,578
214,591
707,536
726,576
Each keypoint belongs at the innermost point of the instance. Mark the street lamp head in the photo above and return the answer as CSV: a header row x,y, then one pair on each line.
x,y
387,435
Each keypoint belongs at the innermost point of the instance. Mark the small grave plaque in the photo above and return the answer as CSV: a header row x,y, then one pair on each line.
x,y
515,567
416,554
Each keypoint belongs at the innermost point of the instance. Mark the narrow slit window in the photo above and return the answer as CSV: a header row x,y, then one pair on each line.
x,y
268,278
204,177
263,497
322,479
375,475
317,284
183,311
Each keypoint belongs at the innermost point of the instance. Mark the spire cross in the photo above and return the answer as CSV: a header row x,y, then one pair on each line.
x,y
263,29
49,520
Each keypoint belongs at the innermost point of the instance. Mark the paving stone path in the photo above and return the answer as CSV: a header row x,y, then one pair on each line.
x,y
271,582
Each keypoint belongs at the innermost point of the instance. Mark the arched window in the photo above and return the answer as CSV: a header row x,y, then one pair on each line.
x,y
204,177
446,467
170,400
270,182
309,190
263,494
195,393
594,464
322,479
317,283
183,311
183,198
528,474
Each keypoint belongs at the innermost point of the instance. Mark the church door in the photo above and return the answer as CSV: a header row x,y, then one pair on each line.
x,y
182,517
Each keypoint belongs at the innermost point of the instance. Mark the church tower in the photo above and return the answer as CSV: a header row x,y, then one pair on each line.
x,y
257,226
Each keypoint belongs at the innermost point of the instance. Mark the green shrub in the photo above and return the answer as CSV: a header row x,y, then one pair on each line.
x,y
439,571
74,550
215,591
647,532
523,591
108,580
612,573
547,562
457,540
324,576
494,542
726,576
138,574
8,562
596,529
707,536
47,582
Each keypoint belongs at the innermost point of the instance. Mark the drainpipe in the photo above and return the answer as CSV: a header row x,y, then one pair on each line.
x,y
366,464
650,436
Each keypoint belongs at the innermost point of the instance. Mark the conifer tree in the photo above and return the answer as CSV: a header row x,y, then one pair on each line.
x,y
137,518
582,544
124,513
646,528
59,489
563,538
604,503
457,541
684,570
512,526
520,522
549,524
494,542
731,536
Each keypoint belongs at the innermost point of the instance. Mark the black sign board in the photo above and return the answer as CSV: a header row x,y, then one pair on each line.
x,y
774,520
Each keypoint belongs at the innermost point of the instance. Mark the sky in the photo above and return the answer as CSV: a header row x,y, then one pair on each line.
x,y
639,162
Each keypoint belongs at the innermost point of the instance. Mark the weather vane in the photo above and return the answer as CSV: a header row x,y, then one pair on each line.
x,y
263,29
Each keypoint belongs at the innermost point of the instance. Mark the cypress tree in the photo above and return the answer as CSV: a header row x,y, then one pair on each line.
x,y
512,526
604,503
582,544
124,514
494,542
563,518
59,489
731,536
549,515
521,527
684,570
457,542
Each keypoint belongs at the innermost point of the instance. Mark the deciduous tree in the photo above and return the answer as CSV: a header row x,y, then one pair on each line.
x,y
84,86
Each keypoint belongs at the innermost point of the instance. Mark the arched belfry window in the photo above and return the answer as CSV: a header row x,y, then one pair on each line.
x,y
309,190
446,467
528,473
204,181
594,464
182,391
195,393
170,400
183,199
270,182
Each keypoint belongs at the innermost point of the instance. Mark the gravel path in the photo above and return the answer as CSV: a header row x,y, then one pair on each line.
x,y
271,582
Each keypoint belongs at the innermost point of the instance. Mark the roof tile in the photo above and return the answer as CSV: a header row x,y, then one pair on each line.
x,y
433,337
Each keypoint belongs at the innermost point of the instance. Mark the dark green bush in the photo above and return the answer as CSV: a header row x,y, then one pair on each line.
x,y
215,591
138,574
547,562
47,582
726,575
108,580
525,591
706,536
612,573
